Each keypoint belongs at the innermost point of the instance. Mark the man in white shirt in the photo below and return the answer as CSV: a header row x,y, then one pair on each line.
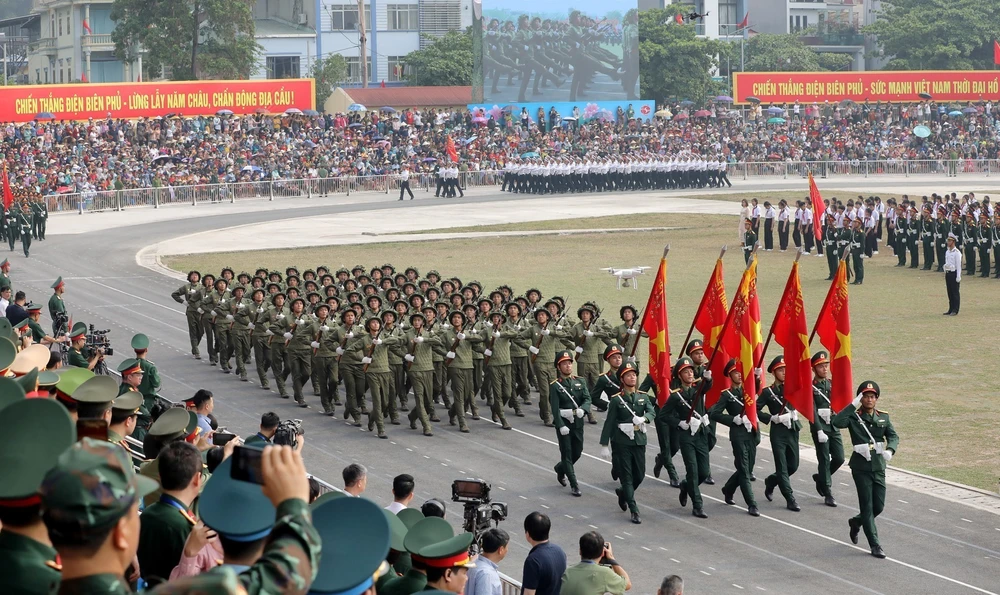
x,y
4,301
402,492
953,275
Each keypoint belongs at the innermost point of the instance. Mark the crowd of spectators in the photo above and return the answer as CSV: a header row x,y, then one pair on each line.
x,y
69,156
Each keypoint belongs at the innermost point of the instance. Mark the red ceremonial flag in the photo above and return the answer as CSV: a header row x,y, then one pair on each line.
x,y
709,320
654,323
83,77
791,332
679,19
449,147
818,208
996,52
743,338
834,329
86,27
745,22
8,196
755,339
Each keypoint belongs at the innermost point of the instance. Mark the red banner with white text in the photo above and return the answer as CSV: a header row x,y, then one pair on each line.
x,y
872,86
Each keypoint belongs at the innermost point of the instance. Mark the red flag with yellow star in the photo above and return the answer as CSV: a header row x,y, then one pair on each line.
x,y
834,329
654,323
743,338
791,332
709,320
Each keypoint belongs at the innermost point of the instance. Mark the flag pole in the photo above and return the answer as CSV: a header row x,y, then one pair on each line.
x,y
702,303
642,320
770,332
826,302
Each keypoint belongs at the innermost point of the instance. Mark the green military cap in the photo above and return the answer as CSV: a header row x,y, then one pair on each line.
x,y
10,392
397,531
869,386
79,330
128,401
96,391
398,302
33,357
432,272
21,325
354,293
260,272
694,345
29,381
409,517
313,293
513,304
291,271
57,283
33,307
432,543
392,313
344,313
418,315
428,306
22,470
91,487
359,267
410,284
374,318
6,330
323,305
777,362
426,531
730,366
274,296
682,363
356,539
541,311
627,367
69,380
129,366
523,301
221,280
416,273
454,313
414,296
611,350
174,421
562,356
274,285
820,357
499,313
342,270
47,379
469,306
495,292
237,510
364,279
7,353
257,290
389,266
297,298
331,495
621,311
239,287
140,342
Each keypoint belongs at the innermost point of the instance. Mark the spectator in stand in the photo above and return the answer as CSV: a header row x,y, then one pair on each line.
x,y
15,312
484,579
402,492
433,507
672,585
355,479
546,562
268,424
598,572
202,404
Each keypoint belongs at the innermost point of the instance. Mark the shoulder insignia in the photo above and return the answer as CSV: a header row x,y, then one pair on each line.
x,y
676,390
553,381
54,565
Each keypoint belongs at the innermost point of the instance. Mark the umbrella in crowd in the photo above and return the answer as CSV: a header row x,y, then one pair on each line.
x,y
846,102
509,108
45,116
224,112
775,110
429,159
251,168
724,98
387,109
927,96
529,154
293,111
687,102
355,125
954,113
664,113
753,100
681,116
702,113
261,110
775,120
970,110
310,112
570,119
356,107
922,131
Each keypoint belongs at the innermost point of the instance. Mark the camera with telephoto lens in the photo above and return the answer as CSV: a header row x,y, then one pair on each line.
x,y
99,340
480,510
288,432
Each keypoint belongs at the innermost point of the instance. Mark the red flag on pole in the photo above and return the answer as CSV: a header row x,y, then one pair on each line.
x,y
834,329
743,338
996,52
449,147
818,208
709,320
654,323
790,331
86,27
745,22
679,19
8,195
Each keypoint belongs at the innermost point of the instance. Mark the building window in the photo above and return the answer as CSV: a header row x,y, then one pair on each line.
x,y
805,21
396,69
60,26
344,17
354,69
402,17
61,76
728,17
283,67
437,17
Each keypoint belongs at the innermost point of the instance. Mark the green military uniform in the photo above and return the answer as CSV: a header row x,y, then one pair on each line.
x,y
150,385
857,251
397,373
875,442
411,580
970,239
4,266
25,220
57,309
350,368
207,320
830,236
985,239
569,401
458,361
941,230
420,372
730,411
166,525
544,338
912,238
375,347
926,227
356,539
498,372
901,231
278,322
772,408
607,386
518,357
41,217
28,566
685,410
239,318
259,338
216,303
398,557
827,439
629,413
749,241
627,335
590,340
299,339
324,360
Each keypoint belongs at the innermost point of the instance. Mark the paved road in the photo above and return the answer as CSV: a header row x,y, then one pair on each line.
x,y
934,544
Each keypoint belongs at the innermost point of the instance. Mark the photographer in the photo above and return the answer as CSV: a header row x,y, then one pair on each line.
x,y
598,572
76,357
268,425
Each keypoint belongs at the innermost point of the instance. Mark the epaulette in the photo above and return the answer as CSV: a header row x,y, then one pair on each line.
x,y
54,565
676,390
553,381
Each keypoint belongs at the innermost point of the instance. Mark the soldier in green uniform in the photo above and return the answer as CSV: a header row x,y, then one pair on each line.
x,y
901,230
38,335
730,411
970,239
11,219
277,322
75,356
875,442
826,438
258,336
985,236
498,371
995,242
749,240
205,310
41,217
830,235
772,408
375,365
518,357
420,371
414,579
543,338
608,385
912,237
941,230
626,334
238,318
457,348
927,229
299,341
685,410
57,309
124,417
27,559
629,413
324,359
857,251
217,303
590,335
24,223
150,385
569,401
397,375
346,335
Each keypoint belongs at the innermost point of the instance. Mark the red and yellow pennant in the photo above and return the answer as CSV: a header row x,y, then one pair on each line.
x,y
790,330
834,329
654,323
710,320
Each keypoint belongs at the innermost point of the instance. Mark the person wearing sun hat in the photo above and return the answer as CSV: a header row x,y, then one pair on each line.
x,y
875,443
190,293
826,438
28,562
772,408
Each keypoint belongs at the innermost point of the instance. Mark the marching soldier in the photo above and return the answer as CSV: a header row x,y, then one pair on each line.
x,y
190,293
543,337
729,410
608,385
375,366
25,221
518,357
420,373
629,414
830,236
324,360
278,322
569,401
875,442
457,346
772,408
299,341
239,328
216,303
258,335
857,239
12,227
826,438
496,363
626,334
207,320
685,410
588,335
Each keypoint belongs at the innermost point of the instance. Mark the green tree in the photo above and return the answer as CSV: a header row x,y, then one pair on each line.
x,y
447,61
778,52
328,72
937,34
193,39
673,61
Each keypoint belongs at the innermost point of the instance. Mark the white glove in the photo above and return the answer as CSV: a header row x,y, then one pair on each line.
x,y
862,449
269,332
229,317
747,423
340,350
324,328
758,372
707,375
488,352
533,349
300,321
559,327
200,311
460,336
879,448
280,317
213,313
589,333
605,452
450,355
314,344
822,437
377,341
786,420
546,332
496,334
857,401
350,334
251,325
489,324
241,306
737,420
409,357
695,424
287,335
579,349
419,339
824,414
222,302
636,420
260,310
684,425
630,359
366,360
580,413
193,291
564,430
887,455
632,331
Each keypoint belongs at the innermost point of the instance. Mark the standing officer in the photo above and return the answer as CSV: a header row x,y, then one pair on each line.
x,y
857,245
901,232
57,309
953,276
569,402
685,409
190,293
927,231
749,239
995,241
875,442
784,419
970,240
728,410
985,239
830,236
912,235
404,182
826,438
629,414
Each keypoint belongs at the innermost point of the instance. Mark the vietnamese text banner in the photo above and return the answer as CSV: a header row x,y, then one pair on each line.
x,y
137,100
906,85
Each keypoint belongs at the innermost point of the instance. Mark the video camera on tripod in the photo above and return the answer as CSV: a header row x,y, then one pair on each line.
x,y
99,340
480,511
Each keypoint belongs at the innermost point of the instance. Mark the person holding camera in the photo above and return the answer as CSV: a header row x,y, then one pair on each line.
x,y
57,309
76,357
598,572
268,426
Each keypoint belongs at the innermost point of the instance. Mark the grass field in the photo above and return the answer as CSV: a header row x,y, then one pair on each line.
x,y
934,370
